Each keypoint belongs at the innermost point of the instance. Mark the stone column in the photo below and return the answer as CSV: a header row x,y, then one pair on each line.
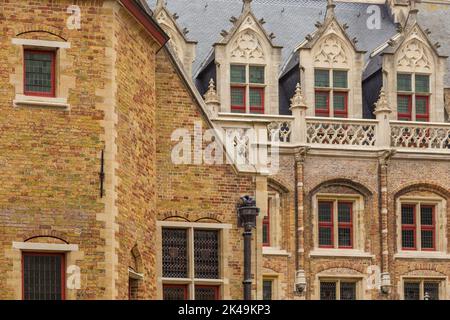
x,y
382,112
212,100
299,108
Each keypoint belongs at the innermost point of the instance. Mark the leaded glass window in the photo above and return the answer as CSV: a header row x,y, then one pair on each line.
x,y
43,276
39,72
256,74
325,224
206,293
267,289
348,290
339,79
322,78
431,290
238,74
421,289
413,97
338,290
206,254
412,290
404,82
175,253
247,88
418,226
175,292
422,83
327,290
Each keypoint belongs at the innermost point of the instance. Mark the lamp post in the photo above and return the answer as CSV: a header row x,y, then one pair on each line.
x,y
247,213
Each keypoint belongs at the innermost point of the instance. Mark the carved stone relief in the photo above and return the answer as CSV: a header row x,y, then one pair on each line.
x,y
413,56
247,46
331,52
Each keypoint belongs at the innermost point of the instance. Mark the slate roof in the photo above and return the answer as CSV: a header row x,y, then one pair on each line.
x,y
292,20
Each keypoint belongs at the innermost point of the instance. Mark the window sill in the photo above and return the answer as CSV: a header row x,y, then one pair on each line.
x,y
274,251
35,101
422,255
340,253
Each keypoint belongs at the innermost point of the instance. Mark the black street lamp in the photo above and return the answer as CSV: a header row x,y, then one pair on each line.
x,y
247,213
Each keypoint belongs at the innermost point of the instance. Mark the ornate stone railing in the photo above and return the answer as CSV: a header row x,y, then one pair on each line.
x,y
420,135
279,131
336,131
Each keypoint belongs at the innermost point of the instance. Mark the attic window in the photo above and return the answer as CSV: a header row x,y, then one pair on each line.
x,y
413,97
247,88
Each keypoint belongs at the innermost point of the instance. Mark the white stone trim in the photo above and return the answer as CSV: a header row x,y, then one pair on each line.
x,y
422,255
37,101
194,225
352,253
40,43
135,275
274,251
53,247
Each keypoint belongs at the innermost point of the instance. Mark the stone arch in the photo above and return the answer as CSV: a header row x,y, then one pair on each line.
x,y
136,259
430,187
340,268
42,234
356,186
44,29
277,185
208,220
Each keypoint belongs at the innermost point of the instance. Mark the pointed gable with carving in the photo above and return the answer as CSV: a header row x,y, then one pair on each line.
x,y
330,49
411,55
183,48
248,44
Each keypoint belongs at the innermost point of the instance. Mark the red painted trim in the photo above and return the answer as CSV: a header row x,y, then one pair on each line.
x,y
423,117
52,92
328,225
258,109
239,108
407,227
184,286
322,112
340,113
347,225
431,227
146,20
266,222
405,116
216,290
63,271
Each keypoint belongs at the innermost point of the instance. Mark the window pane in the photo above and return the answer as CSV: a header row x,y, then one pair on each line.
x,y
206,254
422,83
322,78
408,214
403,82
267,289
256,97
175,253
42,277
345,212
427,238
321,103
403,103
325,236
38,71
206,293
175,292
328,291
345,237
421,105
238,97
340,79
412,290
256,74
426,216
266,240
408,239
348,291
339,101
238,74
325,212
431,290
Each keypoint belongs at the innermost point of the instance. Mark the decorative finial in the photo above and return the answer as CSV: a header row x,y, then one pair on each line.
x,y
330,9
297,100
160,4
247,5
382,105
212,100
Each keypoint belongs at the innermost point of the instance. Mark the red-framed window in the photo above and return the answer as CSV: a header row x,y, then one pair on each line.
x,y
256,100
175,292
345,225
266,225
238,99
422,108
404,107
204,292
43,276
340,104
39,73
427,228
326,224
408,219
322,105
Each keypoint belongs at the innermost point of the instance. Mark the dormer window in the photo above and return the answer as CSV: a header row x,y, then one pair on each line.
x,y
331,93
413,90
247,88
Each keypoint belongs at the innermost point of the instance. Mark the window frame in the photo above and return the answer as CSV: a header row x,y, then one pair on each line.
x,y
409,227
52,93
266,223
216,290
328,225
338,281
413,96
347,225
417,205
62,269
247,86
174,285
331,90
421,282
431,227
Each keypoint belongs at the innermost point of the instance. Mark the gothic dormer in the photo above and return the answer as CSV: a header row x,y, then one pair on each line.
x,y
330,70
183,48
247,65
413,73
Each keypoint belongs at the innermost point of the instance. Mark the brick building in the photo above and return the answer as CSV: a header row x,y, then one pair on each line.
x,y
352,102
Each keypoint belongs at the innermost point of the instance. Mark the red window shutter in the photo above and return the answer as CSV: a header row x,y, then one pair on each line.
x,y
322,103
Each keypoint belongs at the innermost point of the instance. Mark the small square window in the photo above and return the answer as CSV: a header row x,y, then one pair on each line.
x,y
238,74
322,78
322,103
206,292
257,100
256,74
39,73
175,292
422,83
340,79
404,82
